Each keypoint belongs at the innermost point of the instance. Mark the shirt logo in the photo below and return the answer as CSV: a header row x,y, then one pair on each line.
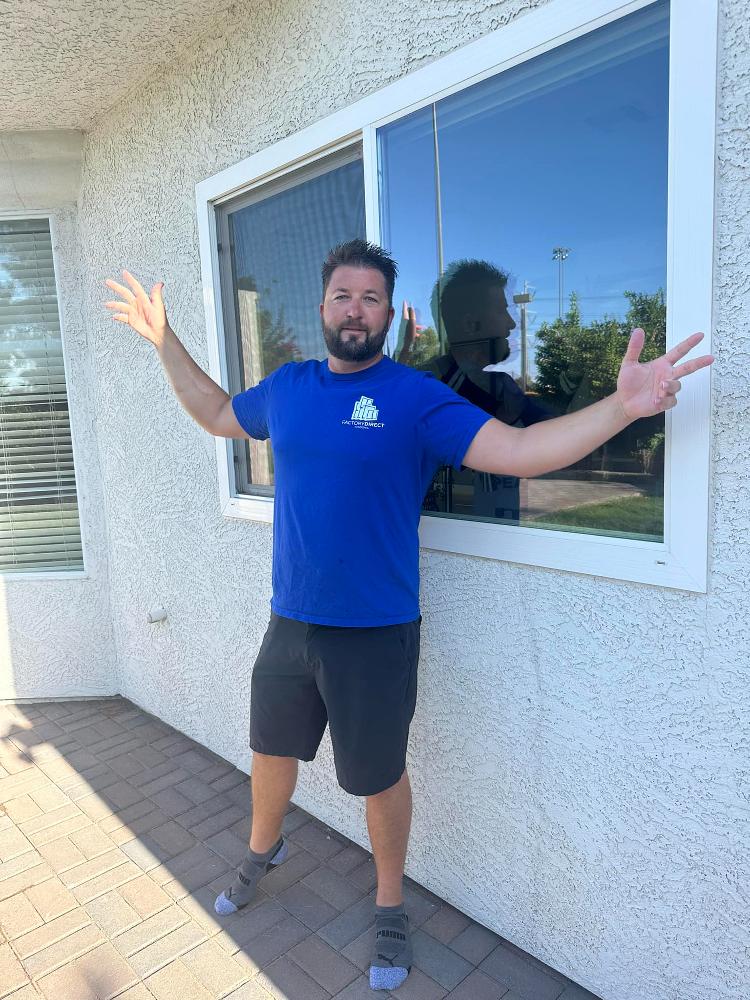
x,y
365,409
364,414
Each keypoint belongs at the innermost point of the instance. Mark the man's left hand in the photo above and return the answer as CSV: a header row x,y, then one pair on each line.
x,y
646,389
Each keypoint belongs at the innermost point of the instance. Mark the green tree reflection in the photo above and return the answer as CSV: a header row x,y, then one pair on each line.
x,y
577,364
277,341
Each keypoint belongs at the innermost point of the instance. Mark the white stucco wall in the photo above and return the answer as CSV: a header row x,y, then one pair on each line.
x,y
578,755
56,634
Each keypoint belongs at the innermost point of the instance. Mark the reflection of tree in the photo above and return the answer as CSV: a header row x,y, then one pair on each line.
x,y
425,347
277,342
578,364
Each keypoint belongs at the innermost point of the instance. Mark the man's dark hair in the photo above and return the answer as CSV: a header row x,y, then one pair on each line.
x,y
360,253
464,278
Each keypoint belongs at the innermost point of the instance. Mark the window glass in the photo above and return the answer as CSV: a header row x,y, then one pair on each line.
x,y
408,221
39,520
277,239
539,197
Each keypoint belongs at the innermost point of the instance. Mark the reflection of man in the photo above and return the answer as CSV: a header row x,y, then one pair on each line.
x,y
472,304
357,439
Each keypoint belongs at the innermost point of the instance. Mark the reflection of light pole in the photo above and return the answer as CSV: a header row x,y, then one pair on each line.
x,y
560,254
522,301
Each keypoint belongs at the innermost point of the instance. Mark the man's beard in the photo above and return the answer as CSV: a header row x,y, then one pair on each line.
x,y
359,349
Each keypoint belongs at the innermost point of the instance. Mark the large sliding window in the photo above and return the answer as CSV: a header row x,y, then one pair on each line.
x,y
39,526
529,216
544,190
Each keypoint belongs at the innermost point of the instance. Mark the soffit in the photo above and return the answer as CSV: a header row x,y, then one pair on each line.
x,y
64,65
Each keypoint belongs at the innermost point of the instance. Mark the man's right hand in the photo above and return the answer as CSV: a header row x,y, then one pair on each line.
x,y
146,315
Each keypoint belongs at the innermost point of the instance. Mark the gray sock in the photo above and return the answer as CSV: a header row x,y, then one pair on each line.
x,y
250,872
392,953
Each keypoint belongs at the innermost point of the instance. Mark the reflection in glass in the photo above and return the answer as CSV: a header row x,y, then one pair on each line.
x,y
553,177
278,238
406,165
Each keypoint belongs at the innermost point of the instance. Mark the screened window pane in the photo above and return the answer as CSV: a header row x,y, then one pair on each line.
x,y
39,525
277,239
550,220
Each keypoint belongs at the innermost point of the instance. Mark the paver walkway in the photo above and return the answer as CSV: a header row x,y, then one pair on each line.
x,y
116,834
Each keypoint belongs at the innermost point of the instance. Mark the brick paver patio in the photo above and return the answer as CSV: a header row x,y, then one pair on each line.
x,y
116,834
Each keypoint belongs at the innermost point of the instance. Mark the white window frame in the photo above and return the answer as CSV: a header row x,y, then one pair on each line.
x,y
55,575
681,560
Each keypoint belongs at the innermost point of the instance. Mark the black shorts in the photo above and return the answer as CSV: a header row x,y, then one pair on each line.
x,y
362,681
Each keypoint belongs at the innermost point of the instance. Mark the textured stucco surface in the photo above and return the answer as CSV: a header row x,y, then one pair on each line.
x,y
579,754
39,169
56,634
63,65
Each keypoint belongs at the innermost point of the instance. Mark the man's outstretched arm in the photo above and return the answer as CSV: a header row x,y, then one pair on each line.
x,y
206,402
642,391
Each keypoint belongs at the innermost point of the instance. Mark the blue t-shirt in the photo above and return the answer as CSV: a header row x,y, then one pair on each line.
x,y
353,457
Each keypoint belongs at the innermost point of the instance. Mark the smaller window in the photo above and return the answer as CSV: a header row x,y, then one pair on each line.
x,y
272,245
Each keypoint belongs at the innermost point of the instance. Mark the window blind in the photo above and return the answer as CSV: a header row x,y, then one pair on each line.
x,y
39,523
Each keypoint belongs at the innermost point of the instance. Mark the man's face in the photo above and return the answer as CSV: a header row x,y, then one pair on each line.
x,y
486,318
355,313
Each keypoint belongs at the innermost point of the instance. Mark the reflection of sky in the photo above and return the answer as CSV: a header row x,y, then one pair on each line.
x,y
568,149
282,241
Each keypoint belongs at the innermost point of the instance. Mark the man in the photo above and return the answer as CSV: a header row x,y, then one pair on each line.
x,y
470,299
357,439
